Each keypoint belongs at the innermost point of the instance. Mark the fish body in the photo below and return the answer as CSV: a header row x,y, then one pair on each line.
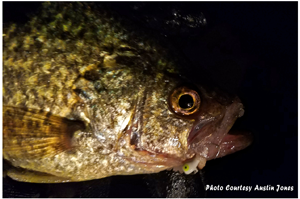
x,y
84,98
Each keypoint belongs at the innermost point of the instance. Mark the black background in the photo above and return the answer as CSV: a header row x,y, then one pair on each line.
x,y
249,48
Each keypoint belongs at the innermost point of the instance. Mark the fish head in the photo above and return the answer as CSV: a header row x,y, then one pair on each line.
x,y
174,122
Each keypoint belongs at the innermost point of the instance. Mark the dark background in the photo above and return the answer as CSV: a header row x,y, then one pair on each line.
x,y
249,48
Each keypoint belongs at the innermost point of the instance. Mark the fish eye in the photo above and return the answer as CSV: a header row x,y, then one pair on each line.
x,y
184,101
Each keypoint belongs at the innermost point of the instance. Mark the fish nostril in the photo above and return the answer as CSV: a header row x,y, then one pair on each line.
x,y
241,112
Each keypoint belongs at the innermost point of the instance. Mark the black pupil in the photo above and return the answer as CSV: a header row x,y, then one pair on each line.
x,y
186,101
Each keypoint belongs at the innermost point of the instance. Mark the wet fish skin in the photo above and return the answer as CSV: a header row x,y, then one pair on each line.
x,y
85,97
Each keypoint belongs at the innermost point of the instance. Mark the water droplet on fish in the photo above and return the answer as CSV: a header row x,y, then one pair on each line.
x,y
100,136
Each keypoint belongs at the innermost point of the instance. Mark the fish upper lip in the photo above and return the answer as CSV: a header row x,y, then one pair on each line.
x,y
198,127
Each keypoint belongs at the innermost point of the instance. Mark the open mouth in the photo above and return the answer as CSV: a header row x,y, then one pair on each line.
x,y
211,138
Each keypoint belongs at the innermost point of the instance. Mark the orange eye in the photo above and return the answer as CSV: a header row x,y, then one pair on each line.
x,y
185,101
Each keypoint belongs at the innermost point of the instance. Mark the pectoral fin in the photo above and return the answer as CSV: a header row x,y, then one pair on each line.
x,y
30,134
34,177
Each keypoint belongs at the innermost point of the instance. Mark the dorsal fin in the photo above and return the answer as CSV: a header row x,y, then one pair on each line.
x,y
29,133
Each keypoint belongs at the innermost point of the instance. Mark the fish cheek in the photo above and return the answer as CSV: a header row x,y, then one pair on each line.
x,y
166,134
163,132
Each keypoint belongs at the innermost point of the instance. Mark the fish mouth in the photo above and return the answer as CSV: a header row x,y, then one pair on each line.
x,y
212,138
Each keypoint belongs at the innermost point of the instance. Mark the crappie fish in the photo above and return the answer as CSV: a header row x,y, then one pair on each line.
x,y
85,97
